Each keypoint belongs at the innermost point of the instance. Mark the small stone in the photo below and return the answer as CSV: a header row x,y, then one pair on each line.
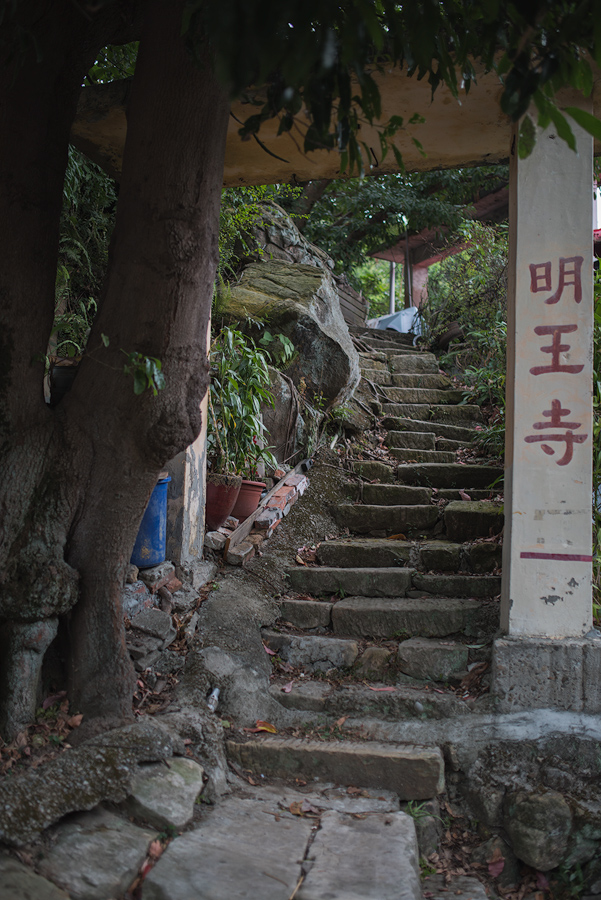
x,y
202,572
96,855
165,796
185,599
156,623
191,628
147,662
156,576
240,554
232,523
214,540
373,661
170,662
538,826
132,574
140,645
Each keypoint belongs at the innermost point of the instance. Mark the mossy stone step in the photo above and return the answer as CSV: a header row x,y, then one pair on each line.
x,y
383,520
473,586
414,440
398,338
381,359
378,617
315,653
433,412
364,552
414,773
424,364
432,660
378,376
471,519
370,582
357,700
439,429
385,473
450,475
395,495
422,396
426,456
429,381
450,446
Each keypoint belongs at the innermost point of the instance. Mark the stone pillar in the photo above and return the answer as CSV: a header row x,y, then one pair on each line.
x,y
419,275
550,657
547,563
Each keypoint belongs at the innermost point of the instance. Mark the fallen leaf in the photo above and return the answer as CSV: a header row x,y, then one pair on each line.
x,y
300,561
542,881
75,721
263,726
341,721
296,808
464,495
397,537
155,849
380,689
288,687
496,866
269,651
54,698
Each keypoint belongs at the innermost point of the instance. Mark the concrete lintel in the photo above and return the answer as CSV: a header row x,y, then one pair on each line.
x,y
543,673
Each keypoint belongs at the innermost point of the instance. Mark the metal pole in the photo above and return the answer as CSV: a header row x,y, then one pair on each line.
x,y
392,290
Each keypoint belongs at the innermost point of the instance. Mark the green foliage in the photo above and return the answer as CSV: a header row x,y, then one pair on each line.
x,y
372,279
239,386
114,63
145,371
71,328
279,347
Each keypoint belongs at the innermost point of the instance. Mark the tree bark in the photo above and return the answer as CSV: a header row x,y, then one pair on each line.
x,y
77,478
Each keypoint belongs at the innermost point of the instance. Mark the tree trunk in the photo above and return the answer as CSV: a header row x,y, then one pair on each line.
x,y
77,478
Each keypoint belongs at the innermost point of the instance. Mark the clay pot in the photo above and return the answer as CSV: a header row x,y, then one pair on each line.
x,y
222,493
248,499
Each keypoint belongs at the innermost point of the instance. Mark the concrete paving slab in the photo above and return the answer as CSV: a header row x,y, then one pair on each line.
x,y
96,855
375,858
243,850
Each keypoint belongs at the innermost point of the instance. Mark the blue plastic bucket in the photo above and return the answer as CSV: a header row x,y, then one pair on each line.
x,y
149,549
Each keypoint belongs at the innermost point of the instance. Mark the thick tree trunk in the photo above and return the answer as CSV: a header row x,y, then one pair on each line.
x,y
76,479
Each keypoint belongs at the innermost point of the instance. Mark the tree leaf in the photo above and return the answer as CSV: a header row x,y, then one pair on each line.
x,y
586,120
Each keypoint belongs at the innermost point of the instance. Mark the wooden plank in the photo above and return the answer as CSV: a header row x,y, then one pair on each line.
x,y
244,529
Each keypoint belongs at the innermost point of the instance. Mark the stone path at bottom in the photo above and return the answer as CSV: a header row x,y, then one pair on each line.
x,y
277,843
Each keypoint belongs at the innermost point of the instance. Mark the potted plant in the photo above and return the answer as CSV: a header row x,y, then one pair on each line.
x,y
236,434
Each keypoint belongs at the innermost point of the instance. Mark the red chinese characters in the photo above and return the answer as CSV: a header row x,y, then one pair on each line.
x,y
555,415
555,348
570,274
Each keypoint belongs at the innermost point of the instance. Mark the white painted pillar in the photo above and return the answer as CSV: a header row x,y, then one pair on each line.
x,y
547,570
392,289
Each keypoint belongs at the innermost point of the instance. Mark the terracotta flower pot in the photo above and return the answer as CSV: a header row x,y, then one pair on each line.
x,y
222,493
248,499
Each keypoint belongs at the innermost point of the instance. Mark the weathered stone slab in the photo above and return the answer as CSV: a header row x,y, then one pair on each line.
x,y
424,363
78,779
403,702
422,440
156,623
314,652
378,376
19,882
308,695
241,850
383,472
484,557
431,660
378,582
458,585
422,395
451,445
542,673
96,855
364,552
424,456
449,476
164,795
377,617
386,519
430,381
349,859
538,826
395,495
156,576
468,519
373,662
428,412
307,613
454,432
414,773
441,556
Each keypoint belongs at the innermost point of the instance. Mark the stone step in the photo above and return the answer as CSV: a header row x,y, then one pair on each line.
x,y
414,773
376,359
429,412
384,520
422,456
416,440
420,396
451,446
384,472
473,586
422,364
471,519
439,556
428,381
398,338
357,700
474,494
369,582
440,430
451,475
315,653
378,376
395,495
377,617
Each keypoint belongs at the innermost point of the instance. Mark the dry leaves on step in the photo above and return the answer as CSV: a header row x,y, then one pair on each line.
x,y
377,688
397,537
269,651
262,726
304,808
464,495
496,863
288,687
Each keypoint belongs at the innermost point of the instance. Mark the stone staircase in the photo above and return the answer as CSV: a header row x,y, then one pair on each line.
x,y
395,619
